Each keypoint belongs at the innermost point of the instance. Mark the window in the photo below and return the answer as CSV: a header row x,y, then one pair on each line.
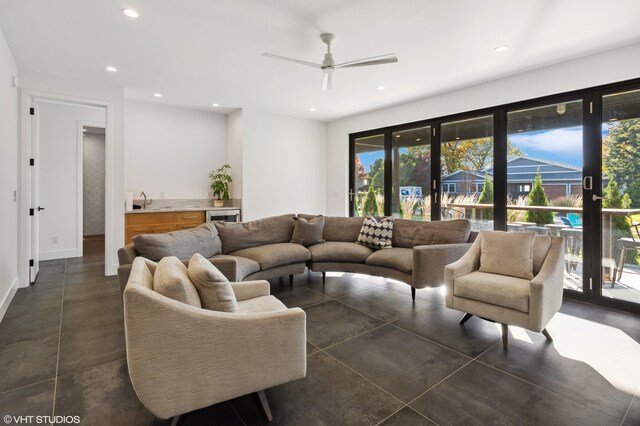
x,y
448,187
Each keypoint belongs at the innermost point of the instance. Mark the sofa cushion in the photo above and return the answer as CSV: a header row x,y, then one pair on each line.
x,y
260,304
499,290
273,255
171,279
213,287
308,231
507,253
244,266
182,244
339,251
376,234
345,229
395,257
410,233
270,230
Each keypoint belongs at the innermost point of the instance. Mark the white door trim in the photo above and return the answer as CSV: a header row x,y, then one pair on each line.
x,y
26,98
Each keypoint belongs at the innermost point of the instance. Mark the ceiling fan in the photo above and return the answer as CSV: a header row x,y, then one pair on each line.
x,y
328,66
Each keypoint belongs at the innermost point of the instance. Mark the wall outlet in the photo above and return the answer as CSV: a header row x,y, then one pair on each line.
x,y
54,240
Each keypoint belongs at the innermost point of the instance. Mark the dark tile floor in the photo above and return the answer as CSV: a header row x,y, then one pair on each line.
x,y
374,357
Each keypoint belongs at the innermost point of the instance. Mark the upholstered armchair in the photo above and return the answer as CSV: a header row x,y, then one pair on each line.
x,y
509,278
183,357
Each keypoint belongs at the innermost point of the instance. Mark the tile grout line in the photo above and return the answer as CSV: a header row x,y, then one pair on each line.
x,y
433,341
351,338
542,387
443,379
626,413
26,386
55,383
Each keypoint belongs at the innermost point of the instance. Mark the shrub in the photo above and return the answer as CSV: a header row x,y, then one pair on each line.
x,y
537,197
370,207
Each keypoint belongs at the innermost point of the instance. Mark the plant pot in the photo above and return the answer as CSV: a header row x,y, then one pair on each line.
x,y
218,203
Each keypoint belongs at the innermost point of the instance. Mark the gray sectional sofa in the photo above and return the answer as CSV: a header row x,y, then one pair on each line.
x,y
262,249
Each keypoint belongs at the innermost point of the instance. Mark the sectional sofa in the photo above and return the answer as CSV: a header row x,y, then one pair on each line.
x,y
262,249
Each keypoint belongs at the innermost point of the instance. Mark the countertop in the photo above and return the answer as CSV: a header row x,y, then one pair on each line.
x,y
182,205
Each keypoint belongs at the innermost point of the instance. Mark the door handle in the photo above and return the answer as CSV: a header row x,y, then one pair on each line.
x,y
40,208
351,194
594,197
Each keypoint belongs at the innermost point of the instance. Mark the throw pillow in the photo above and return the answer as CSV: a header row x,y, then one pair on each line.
x,y
507,253
171,279
308,231
213,287
376,235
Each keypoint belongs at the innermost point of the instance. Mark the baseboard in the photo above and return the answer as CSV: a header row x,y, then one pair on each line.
x,y
58,254
8,298
114,269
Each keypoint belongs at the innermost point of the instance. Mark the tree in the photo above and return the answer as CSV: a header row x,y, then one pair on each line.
x,y
361,174
376,173
621,159
537,197
370,207
613,200
471,154
486,197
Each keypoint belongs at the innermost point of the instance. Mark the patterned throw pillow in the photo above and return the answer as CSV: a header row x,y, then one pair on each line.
x,y
376,235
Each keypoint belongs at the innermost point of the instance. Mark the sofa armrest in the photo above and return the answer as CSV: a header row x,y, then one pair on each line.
x,y
546,288
126,254
250,289
465,265
227,265
429,262
182,358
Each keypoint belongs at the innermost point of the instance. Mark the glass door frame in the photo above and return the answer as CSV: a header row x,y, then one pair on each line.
x,y
592,166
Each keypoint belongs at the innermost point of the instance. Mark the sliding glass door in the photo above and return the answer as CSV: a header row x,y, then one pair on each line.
x,y
620,210
544,178
366,196
411,173
466,158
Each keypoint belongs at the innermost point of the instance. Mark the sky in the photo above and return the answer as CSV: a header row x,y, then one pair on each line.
x,y
561,145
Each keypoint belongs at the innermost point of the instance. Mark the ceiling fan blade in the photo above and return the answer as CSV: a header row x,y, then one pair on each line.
x,y
295,61
374,60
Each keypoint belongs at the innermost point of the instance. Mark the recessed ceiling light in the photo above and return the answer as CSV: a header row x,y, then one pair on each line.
x,y
312,109
130,13
457,138
84,130
157,95
111,69
501,49
380,88
215,105
520,130
418,139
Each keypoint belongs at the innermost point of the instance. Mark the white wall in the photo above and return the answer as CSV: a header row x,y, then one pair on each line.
x,y
608,67
60,168
8,177
172,150
234,152
93,193
283,165
113,96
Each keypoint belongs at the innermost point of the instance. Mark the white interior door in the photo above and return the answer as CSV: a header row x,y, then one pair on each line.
x,y
35,209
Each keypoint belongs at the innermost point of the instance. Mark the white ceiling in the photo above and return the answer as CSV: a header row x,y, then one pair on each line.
x,y
197,52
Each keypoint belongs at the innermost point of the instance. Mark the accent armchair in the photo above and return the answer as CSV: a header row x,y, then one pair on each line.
x,y
182,358
526,302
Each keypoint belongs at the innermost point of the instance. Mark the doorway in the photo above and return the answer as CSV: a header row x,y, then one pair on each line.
x,y
52,182
93,188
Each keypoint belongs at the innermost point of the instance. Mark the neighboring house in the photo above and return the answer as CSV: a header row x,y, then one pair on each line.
x,y
558,179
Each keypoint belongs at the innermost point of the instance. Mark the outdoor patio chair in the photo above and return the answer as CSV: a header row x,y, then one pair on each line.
x,y
575,220
622,245
566,221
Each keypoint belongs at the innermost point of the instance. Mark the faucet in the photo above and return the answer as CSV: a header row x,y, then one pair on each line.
x,y
144,206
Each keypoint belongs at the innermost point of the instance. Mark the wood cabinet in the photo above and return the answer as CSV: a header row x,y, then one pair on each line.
x,y
159,223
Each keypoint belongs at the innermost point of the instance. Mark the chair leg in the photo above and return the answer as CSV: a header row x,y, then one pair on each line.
x,y
413,294
505,337
324,278
290,281
465,318
621,263
176,420
261,400
547,335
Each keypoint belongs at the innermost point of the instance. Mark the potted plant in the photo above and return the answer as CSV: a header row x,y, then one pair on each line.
x,y
220,181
